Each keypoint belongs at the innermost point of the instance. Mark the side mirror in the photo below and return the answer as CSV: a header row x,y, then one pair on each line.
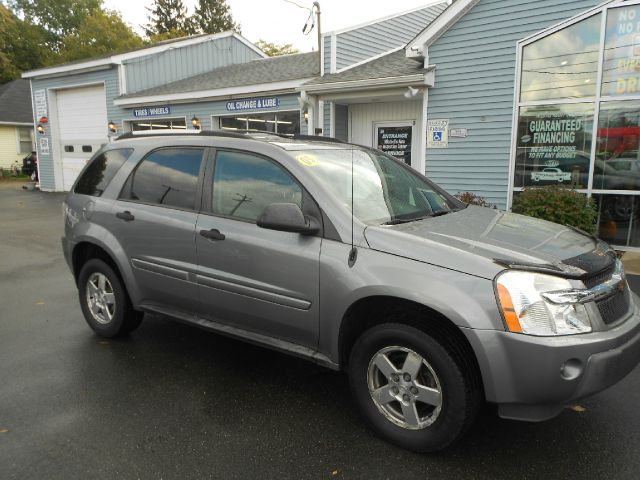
x,y
287,217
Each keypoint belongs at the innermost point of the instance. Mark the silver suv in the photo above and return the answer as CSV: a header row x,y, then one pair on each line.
x,y
342,255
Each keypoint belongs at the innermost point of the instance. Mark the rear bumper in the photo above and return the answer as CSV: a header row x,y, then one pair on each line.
x,y
533,378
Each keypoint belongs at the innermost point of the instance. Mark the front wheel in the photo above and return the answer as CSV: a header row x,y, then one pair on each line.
x,y
104,301
410,388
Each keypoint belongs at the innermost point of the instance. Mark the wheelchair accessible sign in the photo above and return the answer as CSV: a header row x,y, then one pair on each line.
x,y
438,133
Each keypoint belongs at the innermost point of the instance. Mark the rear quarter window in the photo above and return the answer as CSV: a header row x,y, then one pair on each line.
x,y
101,171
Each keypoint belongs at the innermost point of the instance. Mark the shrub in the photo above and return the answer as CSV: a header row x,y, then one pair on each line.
x,y
473,199
558,204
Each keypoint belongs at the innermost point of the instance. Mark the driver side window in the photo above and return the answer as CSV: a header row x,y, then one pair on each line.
x,y
244,184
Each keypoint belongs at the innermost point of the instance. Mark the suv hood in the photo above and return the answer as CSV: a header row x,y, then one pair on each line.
x,y
483,241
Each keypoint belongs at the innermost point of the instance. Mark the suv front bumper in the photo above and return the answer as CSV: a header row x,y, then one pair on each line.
x,y
533,378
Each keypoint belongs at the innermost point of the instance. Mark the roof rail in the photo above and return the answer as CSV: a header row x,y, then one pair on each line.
x,y
317,138
246,134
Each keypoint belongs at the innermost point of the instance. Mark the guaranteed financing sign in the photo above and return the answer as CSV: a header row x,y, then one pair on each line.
x,y
553,146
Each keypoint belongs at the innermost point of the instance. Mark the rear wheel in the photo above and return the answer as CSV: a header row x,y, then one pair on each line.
x,y
104,300
410,387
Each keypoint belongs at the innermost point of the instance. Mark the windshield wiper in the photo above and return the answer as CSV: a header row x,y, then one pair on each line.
x,y
398,221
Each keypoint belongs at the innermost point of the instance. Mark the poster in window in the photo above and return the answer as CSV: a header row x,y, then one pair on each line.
x,y
554,146
396,141
621,70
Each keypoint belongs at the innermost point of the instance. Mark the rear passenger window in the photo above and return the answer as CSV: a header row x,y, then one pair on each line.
x,y
244,184
166,177
100,171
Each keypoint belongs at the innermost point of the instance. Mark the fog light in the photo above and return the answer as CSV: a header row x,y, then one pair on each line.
x,y
571,369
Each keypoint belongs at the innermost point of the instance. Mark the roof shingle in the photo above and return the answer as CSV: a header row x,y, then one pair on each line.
x,y
15,102
261,71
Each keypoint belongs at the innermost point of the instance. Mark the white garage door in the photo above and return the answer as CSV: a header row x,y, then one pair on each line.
x,y
82,121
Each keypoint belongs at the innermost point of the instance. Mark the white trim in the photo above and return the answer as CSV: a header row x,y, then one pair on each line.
x,y
353,96
249,44
369,59
416,79
122,79
416,48
421,165
189,97
514,128
16,124
332,119
387,17
18,141
334,54
119,59
322,55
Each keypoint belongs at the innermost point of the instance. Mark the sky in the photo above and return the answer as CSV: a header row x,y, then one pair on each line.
x,y
280,21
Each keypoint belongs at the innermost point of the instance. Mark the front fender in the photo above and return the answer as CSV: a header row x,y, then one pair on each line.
x,y
466,300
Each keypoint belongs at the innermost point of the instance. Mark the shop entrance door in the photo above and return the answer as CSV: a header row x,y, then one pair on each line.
x,y
394,138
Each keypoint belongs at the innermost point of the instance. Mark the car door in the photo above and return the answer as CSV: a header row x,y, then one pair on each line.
x,y
155,218
261,280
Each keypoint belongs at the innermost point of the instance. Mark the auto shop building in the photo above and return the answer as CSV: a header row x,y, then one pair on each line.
x,y
487,96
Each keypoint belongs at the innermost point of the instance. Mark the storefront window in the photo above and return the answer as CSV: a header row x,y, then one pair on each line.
x,y
554,145
621,69
619,219
562,65
159,124
287,123
617,165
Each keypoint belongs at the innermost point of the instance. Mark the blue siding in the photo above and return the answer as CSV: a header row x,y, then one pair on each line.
x,y
326,121
326,52
359,44
110,80
183,62
341,123
475,76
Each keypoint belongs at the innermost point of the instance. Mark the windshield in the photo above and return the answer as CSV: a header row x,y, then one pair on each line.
x,y
384,190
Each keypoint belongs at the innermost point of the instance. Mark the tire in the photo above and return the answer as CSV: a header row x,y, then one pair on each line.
x,y
104,301
430,427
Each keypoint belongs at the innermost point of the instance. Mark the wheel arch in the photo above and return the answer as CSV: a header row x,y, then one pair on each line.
x,y
374,310
87,248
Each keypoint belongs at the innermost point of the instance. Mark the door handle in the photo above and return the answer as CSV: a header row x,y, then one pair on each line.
x,y
126,216
213,234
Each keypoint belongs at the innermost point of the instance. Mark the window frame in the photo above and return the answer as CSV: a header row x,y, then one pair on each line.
x,y
20,141
206,152
596,101
309,205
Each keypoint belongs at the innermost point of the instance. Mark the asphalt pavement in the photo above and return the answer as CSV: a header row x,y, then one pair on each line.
x,y
175,402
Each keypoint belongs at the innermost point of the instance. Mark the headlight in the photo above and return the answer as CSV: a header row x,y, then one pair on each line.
x,y
525,310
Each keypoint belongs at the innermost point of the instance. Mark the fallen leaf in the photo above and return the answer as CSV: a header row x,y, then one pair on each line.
x,y
4,430
40,303
578,408
335,472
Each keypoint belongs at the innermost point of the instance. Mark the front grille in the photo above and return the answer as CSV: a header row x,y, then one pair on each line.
x,y
600,277
614,307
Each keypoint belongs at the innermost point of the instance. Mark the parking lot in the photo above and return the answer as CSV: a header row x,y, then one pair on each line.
x,y
172,401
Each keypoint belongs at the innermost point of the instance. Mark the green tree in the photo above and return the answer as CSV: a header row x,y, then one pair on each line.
x,y
273,49
22,46
58,18
101,33
168,19
213,16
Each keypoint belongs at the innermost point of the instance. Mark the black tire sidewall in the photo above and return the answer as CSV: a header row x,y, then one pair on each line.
x,y
118,323
452,419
